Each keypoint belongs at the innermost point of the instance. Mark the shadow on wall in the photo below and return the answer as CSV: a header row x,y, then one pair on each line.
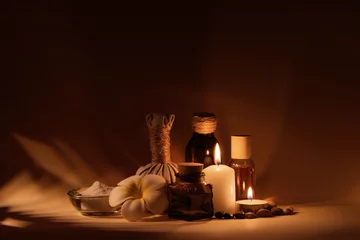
x,y
315,158
292,86
60,161
305,143
53,158
89,86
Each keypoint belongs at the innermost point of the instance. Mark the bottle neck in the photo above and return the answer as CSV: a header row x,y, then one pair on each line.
x,y
204,124
208,135
242,162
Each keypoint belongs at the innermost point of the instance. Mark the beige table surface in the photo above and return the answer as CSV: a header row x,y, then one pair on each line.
x,y
313,221
35,212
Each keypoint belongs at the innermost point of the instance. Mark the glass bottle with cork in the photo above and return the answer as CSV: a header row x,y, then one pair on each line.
x,y
243,165
190,197
201,146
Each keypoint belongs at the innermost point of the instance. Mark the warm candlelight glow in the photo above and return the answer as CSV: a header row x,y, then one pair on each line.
x,y
207,152
250,193
217,159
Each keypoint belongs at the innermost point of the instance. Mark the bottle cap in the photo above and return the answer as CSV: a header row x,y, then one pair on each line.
x,y
190,168
240,146
204,122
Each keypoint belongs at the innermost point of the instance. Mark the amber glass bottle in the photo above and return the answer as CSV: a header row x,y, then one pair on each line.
x,y
201,146
243,165
190,197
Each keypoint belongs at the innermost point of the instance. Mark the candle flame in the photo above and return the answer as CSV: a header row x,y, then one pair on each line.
x,y
250,193
217,159
207,152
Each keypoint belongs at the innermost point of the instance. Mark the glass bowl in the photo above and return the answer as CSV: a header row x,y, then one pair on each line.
x,y
91,206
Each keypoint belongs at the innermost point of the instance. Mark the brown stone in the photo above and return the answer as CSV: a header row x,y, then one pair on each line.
x,y
250,215
276,211
288,211
270,204
264,213
239,215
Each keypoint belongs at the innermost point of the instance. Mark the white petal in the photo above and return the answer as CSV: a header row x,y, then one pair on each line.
x,y
156,201
152,182
118,196
154,193
131,182
127,189
134,210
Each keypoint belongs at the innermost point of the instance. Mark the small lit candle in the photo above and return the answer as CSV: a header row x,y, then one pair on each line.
x,y
251,205
222,178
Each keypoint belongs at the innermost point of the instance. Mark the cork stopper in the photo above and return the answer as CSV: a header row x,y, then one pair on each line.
x,y
241,147
190,168
204,122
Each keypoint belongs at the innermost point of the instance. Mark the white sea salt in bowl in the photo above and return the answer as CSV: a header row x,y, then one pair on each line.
x,y
93,201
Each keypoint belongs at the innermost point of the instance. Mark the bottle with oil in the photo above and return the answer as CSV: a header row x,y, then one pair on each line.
x,y
201,146
243,165
190,197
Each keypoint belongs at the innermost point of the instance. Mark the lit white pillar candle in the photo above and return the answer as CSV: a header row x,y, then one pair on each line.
x,y
222,178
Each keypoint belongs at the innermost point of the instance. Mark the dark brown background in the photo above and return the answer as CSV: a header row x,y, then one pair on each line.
x,y
87,74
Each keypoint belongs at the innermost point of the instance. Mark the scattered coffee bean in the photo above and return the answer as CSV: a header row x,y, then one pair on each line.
x,y
276,211
239,215
250,215
261,213
264,213
219,215
288,211
228,216
270,204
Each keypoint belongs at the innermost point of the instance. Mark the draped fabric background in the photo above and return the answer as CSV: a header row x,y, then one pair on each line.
x,y
84,76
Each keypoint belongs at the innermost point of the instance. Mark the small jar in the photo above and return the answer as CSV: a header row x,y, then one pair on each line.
x,y
190,197
201,146
243,165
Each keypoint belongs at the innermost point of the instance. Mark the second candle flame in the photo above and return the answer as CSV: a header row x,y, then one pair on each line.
x,y
217,159
250,193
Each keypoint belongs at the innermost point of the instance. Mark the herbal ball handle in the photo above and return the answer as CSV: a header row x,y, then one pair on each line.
x,y
155,120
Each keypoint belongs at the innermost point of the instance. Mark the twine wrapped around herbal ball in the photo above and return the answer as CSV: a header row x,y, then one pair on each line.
x,y
159,133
